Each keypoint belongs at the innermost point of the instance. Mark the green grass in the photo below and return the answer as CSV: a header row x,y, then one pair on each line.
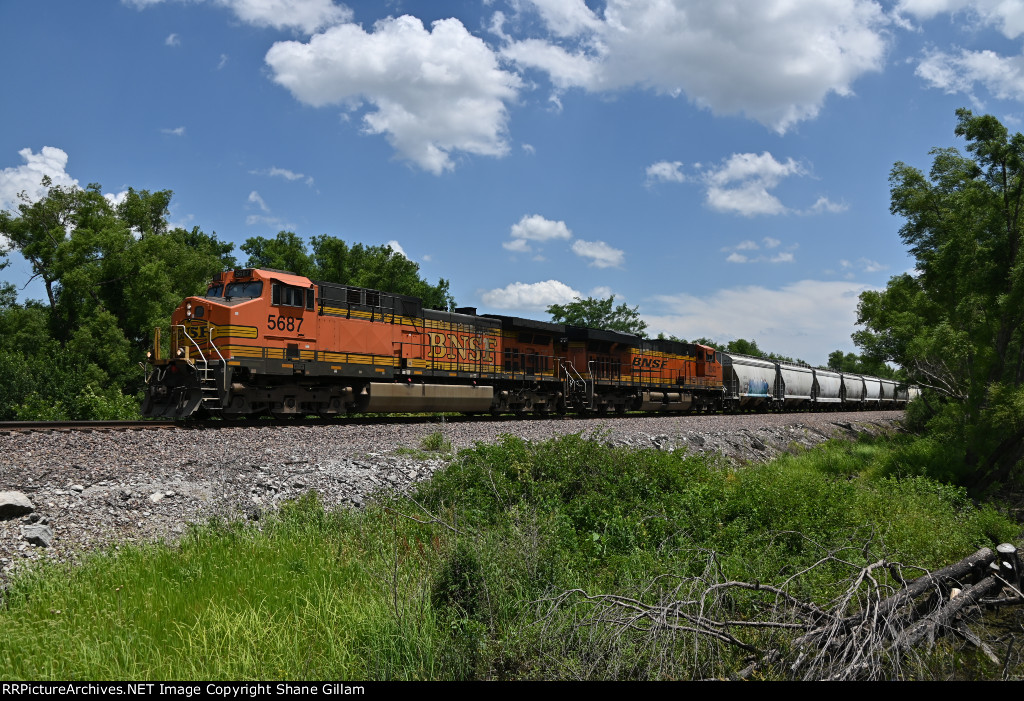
x,y
452,583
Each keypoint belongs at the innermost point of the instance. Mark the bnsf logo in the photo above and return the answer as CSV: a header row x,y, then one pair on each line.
x,y
652,363
471,348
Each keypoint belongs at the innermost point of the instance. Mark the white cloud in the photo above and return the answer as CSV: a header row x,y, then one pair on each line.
x,y
1002,76
1006,15
223,61
116,198
536,296
434,93
306,15
742,182
176,131
172,40
275,172
255,198
768,242
806,319
275,222
397,248
601,254
825,205
775,61
517,246
534,227
27,178
666,172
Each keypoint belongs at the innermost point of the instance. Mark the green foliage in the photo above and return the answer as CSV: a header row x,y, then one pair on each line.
x,y
599,314
859,365
111,274
957,325
457,582
436,442
333,260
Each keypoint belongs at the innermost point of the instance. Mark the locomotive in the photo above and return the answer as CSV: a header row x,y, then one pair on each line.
x,y
264,341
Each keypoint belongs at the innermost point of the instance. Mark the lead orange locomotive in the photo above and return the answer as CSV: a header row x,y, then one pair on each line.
x,y
267,341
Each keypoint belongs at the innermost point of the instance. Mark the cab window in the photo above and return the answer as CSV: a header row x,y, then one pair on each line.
x,y
244,290
287,295
215,291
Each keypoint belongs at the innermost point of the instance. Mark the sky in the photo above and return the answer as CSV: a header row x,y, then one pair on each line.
x,y
722,165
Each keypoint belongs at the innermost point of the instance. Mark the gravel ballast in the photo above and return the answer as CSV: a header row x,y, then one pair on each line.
x,y
102,488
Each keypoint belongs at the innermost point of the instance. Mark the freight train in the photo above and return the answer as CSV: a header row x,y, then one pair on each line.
x,y
265,341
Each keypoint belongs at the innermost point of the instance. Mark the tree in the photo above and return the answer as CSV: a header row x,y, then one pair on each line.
x,y
333,260
956,326
111,274
599,314
859,364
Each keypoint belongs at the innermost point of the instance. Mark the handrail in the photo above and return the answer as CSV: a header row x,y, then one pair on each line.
x,y
189,337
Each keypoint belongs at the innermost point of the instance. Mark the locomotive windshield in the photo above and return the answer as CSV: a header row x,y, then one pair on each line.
x,y
245,290
215,291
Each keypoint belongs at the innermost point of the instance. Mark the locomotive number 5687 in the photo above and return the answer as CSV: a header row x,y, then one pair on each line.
x,y
284,323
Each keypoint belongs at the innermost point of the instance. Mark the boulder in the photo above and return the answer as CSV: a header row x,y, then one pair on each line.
x,y
37,534
13,505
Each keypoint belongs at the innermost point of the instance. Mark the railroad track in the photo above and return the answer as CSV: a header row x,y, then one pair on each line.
x,y
214,424
7,427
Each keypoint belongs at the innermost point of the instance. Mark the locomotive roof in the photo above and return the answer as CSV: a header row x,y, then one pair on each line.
x,y
515,322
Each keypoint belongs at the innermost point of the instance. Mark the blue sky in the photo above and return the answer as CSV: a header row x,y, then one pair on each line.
x,y
722,164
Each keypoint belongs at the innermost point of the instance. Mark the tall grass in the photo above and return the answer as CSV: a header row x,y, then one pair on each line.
x,y
456,581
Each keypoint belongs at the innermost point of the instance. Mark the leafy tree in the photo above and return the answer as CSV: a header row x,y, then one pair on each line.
x,y
111,274
957,325
333,260
376,267
287,251
859,364
744,347
599,314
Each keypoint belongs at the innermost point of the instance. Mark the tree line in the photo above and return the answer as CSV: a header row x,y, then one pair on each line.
x,y
112,273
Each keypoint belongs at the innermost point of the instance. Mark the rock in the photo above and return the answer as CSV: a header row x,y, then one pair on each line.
x,y
156,496
13,505
37,534
77,488
758,444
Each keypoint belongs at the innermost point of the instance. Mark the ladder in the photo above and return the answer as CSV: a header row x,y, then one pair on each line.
x,y
206,373
579,394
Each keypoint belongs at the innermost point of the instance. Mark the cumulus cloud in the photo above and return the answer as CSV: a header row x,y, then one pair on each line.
x,y
806,319
775,61
535,296
27,178
665,172
176,131
172,40
601,255
1006,15
963,72
742,182
433,93
397,248
534,227
305,15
